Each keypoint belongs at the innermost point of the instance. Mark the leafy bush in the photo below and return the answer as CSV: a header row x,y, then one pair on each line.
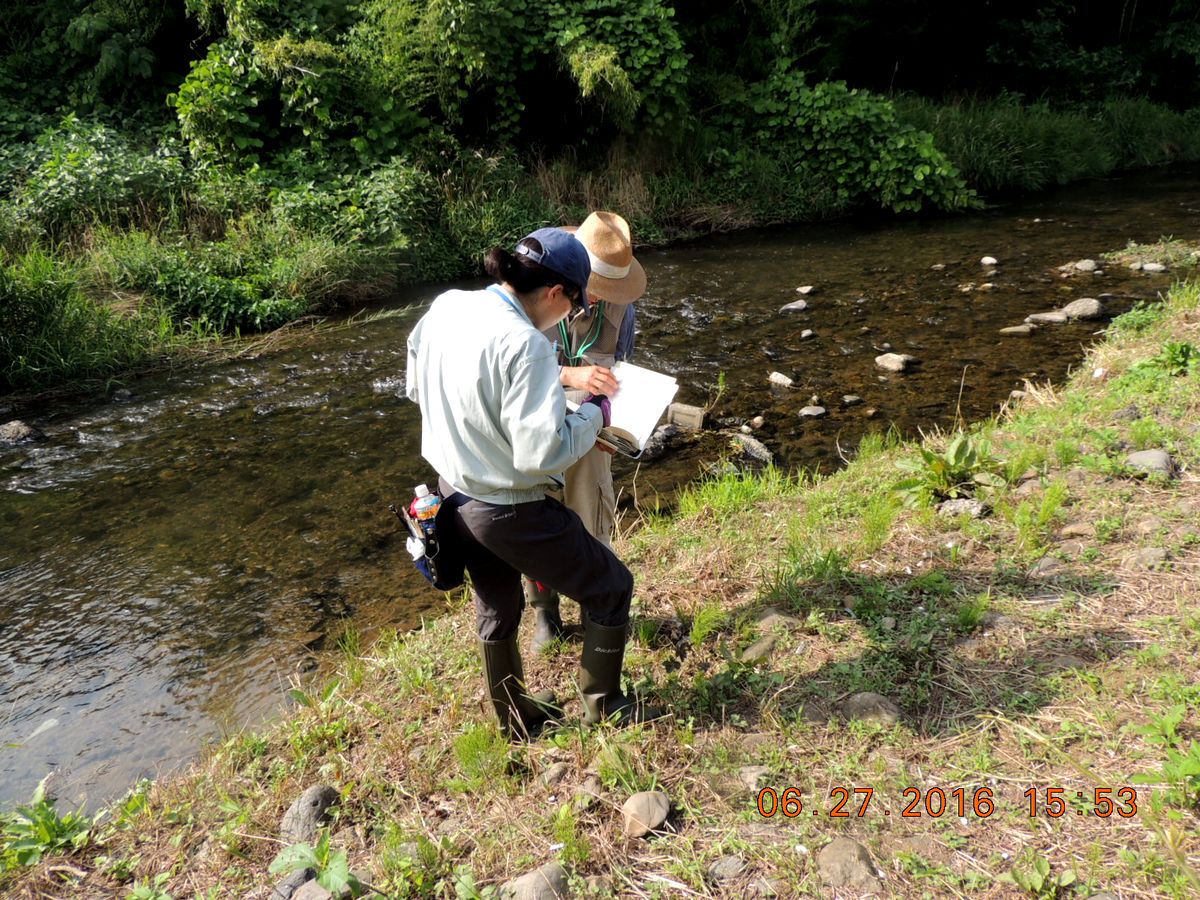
x,y
1005,144
36,829
80,173
966,463
259,276
849,142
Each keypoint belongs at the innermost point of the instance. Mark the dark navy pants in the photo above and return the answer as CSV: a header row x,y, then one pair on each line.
x,y
548,543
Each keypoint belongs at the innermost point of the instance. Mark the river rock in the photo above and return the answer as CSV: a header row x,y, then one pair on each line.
x,y
1153,267
1152,462
17,432
1057,317
851,399
587,794
1026,329
659,441
871,707
757,422
1084,308
847,864
726,868
752,777
1148,558
644,812
1085,265
812,412
989,261
307,814
547,883
286,889
894,362
754,448
1048,567
760,650
780,380
686,416
1078,530
961,506
806,334
804,289
794,306
310,890
554,774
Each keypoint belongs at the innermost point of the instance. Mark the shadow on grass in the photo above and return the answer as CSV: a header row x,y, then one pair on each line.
x,y
927,642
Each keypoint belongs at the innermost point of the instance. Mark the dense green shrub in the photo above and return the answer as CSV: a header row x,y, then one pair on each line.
x,y
81,173
847,142
1003,144
259,276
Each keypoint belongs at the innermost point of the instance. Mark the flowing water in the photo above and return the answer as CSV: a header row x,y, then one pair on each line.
x,y
173,557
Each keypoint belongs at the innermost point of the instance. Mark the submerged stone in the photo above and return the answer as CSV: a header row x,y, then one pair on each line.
x,y
1084,308
1057,317
894,362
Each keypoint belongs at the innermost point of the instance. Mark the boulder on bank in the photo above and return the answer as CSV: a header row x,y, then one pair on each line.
x,y
547,883
644,812
871,707
1152,462
304,818
847,864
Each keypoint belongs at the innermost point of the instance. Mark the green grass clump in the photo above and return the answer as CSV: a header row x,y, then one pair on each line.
x,y
51,332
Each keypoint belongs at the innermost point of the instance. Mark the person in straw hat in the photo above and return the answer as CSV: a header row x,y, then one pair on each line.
x,y
589,344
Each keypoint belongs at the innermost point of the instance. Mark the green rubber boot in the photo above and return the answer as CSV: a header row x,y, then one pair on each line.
x,y
547,621
521,715
600,678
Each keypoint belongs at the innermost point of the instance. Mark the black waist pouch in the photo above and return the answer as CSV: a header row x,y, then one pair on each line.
x,y
441,561
436,551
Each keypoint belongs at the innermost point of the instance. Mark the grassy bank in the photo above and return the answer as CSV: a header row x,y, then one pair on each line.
x,y
1049,644
121,250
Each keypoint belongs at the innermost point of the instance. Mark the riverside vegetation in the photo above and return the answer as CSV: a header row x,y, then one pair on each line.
x,y
813,636
176,174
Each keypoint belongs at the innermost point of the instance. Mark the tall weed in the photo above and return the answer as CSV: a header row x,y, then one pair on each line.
x,y
50,332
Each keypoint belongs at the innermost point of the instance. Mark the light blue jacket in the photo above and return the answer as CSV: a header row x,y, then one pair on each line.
x,y
493,415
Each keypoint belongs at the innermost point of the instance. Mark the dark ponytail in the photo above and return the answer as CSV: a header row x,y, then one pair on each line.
x,y
523,273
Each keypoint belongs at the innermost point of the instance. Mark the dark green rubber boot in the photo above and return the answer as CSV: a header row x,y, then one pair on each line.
x,y
600,678
547,621
521,715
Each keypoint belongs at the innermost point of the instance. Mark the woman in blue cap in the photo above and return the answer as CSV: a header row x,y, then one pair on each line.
x,y
494,426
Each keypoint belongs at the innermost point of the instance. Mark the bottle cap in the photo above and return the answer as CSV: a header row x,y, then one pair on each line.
x,y
422,490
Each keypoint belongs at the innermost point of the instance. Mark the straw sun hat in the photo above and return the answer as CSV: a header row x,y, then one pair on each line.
x,y
616,276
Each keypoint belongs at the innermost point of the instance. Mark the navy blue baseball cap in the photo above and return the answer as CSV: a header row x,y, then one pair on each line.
x,y
563,254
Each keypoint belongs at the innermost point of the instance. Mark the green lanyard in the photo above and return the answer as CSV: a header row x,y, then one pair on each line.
x,y
593,335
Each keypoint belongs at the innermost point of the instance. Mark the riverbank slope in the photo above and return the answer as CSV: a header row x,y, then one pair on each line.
x,y
1034,664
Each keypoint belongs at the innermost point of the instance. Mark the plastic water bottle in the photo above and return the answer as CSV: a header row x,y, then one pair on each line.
x,y
425,507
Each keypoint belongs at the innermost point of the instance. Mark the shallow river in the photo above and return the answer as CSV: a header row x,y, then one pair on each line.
x,y
173,557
